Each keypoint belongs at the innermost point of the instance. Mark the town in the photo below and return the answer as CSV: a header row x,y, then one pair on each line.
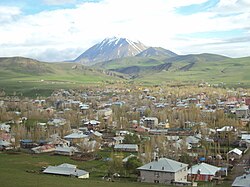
x,y
181,135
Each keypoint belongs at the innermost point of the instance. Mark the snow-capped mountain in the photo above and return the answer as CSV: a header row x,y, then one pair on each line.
x,y
109,49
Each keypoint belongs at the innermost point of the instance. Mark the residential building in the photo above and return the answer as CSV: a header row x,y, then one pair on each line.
x,y
234,154
164,171
126,147
202,172
67,170
150,122
242,181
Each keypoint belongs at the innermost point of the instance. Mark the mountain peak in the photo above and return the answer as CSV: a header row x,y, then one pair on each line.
x,y
156,51
109,49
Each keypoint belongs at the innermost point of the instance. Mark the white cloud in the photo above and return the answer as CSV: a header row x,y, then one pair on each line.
x,y
8,13
154,23
233,6
58,2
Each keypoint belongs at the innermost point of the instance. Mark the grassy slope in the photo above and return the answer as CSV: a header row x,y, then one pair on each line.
x,y
18,76
27,78
130,61
230,71
13,169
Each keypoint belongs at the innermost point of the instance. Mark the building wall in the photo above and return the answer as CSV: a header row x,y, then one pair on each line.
x,y
86,176
234,155
162,177
181,175
127,149
242,113
197,177
156,177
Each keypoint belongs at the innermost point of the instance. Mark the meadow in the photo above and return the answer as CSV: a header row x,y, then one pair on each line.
x,y
23,170
29,78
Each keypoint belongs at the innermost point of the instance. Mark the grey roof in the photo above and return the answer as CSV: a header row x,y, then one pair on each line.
x,y
4,143
92,122
165,165
65,170
192,140
76,135
245,136
242,181
126,146
67,165
237,151
66,149
204,169
118,138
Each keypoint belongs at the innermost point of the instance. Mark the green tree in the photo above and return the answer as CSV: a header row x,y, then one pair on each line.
x,y
131,139
115,164
132,164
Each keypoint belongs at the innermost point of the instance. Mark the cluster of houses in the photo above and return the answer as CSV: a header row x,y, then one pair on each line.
x,y
85,122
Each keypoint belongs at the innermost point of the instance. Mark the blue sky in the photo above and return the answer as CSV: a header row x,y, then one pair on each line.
x,y
57,30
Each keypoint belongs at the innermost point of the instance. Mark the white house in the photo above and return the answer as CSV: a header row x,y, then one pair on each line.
x,y
67,170
126,147
234,154
4,127
118,139
76,137
57,122
5,144
242,112
67,151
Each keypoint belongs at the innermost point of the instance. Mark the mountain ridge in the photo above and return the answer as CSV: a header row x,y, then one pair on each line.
x,y
156,51
109,49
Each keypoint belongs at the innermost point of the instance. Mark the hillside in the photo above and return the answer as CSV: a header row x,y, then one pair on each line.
x,y
24,65
156,52
193,67
232,71
31,77
158,63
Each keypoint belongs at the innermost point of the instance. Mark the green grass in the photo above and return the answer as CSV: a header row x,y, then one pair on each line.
x,y
130,61
14,167
17,77
59,76
230,71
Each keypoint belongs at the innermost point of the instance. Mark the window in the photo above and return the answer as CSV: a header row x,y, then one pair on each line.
x,y
156,181
157,174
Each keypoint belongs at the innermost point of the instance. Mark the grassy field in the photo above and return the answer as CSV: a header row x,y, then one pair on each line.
x,y
130,61
33,83
233,72
22,170
30,78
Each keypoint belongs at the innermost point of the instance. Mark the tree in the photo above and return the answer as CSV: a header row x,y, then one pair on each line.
x,y
131,139
132,164
115,164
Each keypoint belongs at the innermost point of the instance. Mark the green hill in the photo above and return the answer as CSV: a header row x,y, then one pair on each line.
x,y
23,76
233,71
185,68
31,77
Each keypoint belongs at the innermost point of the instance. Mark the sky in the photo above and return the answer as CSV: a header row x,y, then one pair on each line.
x,y
60,30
